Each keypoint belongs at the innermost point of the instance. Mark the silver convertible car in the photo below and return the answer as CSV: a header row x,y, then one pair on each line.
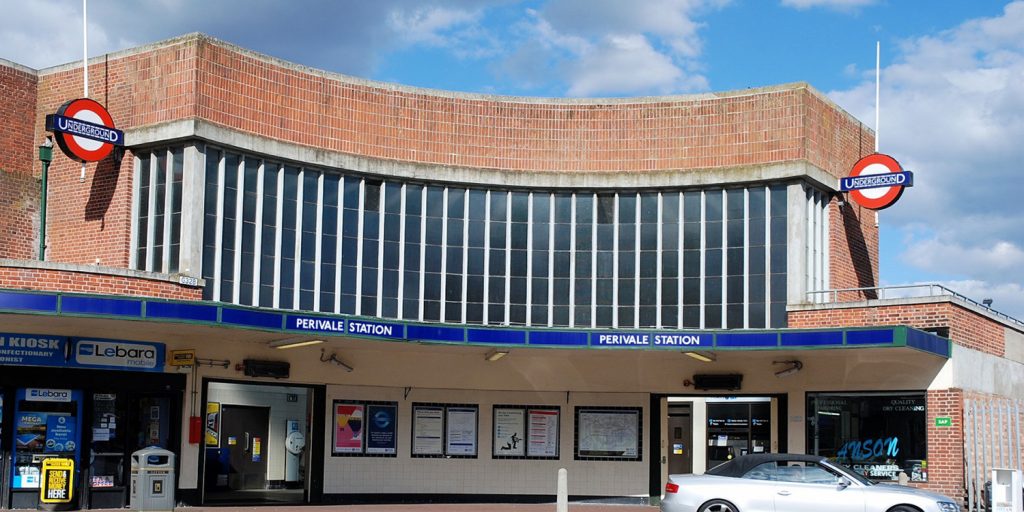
x,y
775,482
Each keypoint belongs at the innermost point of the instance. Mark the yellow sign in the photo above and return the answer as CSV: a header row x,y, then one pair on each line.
x,y
213,424
183,357
58,477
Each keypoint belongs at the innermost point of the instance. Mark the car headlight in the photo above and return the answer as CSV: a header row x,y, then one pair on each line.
x,y
948,506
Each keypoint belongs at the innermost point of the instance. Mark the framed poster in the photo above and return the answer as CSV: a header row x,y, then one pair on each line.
x,y
213,424
542,433
509,432
608,433
381,429
461,431
427,430
348,427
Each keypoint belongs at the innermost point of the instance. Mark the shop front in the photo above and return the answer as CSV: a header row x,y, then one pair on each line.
x,y
94,401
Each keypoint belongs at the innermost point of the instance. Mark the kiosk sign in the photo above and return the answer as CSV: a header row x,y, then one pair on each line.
x,y
876,181
57,480
84,130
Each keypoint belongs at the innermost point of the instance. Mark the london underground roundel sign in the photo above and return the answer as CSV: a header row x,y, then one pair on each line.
x,y
84,130
876,181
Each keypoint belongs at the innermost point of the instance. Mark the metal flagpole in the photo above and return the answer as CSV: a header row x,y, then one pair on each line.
x,y
85,63
878,108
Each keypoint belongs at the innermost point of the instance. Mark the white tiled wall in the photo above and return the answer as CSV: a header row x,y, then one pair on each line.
x,y
484,475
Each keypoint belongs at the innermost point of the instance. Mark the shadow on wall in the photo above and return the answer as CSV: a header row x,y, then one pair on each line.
x,y
104,184
859,247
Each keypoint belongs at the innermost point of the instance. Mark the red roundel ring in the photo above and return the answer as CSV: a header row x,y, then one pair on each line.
x,y
87,150
876,198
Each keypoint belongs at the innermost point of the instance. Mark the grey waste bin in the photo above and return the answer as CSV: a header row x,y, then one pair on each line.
x,y
152,480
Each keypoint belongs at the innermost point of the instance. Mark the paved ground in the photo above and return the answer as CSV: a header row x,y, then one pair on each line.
x,y
486,507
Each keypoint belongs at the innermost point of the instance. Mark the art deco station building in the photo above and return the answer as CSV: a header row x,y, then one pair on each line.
x,y
320,289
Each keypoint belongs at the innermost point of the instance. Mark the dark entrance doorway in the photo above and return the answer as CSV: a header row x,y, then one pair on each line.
x,y
245,430
680,438
259,443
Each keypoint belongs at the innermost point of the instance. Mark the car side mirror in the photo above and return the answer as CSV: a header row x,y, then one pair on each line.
x,y
844,483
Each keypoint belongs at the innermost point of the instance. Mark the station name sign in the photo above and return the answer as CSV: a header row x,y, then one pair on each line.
x,y
614,339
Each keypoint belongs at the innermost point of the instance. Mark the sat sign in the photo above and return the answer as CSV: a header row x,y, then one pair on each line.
x,y
84,130
876,181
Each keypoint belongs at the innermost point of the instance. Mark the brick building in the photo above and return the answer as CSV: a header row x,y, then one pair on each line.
x,y
488,288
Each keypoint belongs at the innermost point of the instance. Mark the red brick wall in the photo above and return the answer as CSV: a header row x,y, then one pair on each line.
x,y
966,328
19,190
945,444
12,278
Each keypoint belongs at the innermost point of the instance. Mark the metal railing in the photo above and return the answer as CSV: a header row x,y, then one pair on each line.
x,y
903,292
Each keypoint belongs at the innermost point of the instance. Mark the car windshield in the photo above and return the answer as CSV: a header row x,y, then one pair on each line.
x,y
851,474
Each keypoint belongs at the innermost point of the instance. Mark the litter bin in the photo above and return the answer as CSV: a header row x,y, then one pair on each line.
x,y
1006,494
152,480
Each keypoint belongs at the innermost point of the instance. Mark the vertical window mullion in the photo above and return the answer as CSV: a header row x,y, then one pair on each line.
x,y
680,274
165,263
297,266
401,254
277,236
615,262
258,234
658,273
703,253
151,225
218,256
637,246
593,260
487,258
359,247
508,257
465,252
826,263
444,253
423,248
572,260
552,224
318,252
340,232
381,242
725,259
529,259
767,256
239,222
746,258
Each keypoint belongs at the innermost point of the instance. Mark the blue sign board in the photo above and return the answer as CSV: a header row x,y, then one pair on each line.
x,y
80,128
316,324
683,339
376,329
32,350
889,179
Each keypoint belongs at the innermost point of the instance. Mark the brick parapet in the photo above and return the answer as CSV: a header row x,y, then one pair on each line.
x,y
54,280
966,328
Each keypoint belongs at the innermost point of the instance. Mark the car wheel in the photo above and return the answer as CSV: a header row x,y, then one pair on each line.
x,y
719,506
903,508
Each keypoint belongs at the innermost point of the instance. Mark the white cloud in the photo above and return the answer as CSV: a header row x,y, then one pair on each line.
x,y
613,48
429,25
842,5
953,112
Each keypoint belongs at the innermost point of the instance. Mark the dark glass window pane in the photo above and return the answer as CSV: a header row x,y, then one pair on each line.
x,y
712,317
713,205
757,288
648,292
648,316
371,196
757,202
692,206
778,199
669,264
713,262
691,317
435,201
393,198
734,266
584,209
648,264
713,290
520,207
691,291
713,234
691,235
670,292
649,237
757,316
778,284
670,208
605,209
734,316
649,208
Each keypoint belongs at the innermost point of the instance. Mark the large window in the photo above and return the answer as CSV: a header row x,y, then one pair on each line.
x,y
876,435
277,234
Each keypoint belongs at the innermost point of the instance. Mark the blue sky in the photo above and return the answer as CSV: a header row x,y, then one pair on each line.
x,y
952,80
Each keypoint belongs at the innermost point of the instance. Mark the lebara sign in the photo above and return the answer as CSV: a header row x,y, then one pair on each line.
x,y
876,181
110,354
84,130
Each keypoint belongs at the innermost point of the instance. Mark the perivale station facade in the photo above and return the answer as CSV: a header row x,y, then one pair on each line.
x,y
313,288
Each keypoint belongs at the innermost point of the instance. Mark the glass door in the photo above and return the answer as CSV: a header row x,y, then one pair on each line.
x,y
107,475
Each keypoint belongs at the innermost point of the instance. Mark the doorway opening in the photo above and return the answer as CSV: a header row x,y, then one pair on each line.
x,y
700,432
257,443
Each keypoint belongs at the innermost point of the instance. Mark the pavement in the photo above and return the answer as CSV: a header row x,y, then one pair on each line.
x,y
434,507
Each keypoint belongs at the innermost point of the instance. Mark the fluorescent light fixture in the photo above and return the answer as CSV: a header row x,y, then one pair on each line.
x,y
794,367
707,357
494,355
283,344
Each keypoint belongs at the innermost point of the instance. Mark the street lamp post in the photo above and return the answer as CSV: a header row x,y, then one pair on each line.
x,y
45,156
